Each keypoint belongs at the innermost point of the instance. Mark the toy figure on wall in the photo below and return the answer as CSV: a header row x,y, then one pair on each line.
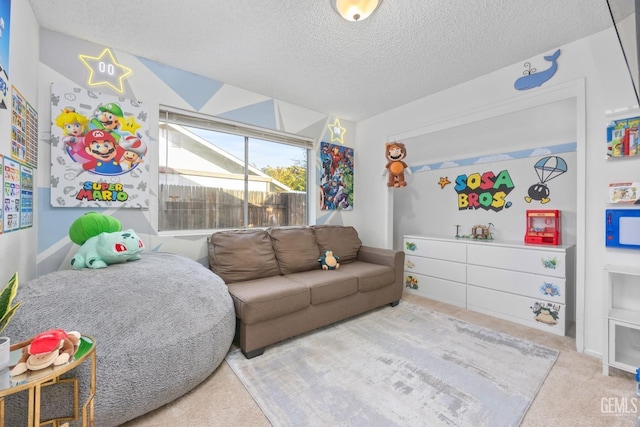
x,y
336,177
396,152
547,168
98,148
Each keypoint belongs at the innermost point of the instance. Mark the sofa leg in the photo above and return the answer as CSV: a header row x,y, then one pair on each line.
x,y
393,304
253,353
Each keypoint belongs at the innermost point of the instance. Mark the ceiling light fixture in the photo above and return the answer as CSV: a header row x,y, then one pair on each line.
x,y
355,10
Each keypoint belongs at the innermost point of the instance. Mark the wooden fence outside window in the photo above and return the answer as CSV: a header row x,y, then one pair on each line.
x,y
196,208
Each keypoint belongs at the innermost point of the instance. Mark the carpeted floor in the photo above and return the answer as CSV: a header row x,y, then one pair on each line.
x,y
575,392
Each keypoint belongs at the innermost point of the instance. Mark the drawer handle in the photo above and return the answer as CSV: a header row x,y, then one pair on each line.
x,y
550,263
410,264
411,282
411,246
550,290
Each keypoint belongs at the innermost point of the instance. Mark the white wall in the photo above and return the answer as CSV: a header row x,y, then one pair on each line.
x,y
18,248
152,85
598,61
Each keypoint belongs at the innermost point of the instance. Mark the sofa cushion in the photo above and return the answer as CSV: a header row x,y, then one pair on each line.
x,y
238,255
328,285
263,299
370,276
342,240
296,249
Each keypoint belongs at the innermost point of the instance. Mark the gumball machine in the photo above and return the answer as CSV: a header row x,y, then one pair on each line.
x,y
543,227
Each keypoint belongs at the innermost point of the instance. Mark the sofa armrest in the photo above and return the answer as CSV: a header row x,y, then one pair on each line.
x,y
380,256
389,257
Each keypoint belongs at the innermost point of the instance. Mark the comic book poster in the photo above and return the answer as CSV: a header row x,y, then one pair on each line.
x,y
11,194
336,177
99,145
5,32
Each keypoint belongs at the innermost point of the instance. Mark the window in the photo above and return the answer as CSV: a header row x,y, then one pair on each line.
x,y
218,174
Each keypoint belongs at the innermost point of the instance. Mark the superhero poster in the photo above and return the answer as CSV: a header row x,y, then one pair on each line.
x,y
99,149
336,177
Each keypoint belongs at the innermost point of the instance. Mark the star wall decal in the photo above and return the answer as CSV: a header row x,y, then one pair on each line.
x,y
337,131
444,181
129,125
104,70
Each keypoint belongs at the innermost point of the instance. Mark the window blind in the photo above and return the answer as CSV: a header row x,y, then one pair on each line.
x,y
198,120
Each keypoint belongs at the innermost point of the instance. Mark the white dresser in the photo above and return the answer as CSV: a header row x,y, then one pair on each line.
x,y
527,284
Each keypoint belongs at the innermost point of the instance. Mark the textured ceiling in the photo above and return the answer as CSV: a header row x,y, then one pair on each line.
x,y
302,52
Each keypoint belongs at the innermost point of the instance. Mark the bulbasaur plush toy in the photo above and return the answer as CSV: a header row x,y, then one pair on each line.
x,y
108,248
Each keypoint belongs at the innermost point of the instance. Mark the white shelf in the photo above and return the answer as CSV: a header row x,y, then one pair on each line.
x,y
631,270
619,352
628,316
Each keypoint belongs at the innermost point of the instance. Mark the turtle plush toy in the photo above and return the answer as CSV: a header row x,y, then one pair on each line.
x,y
329,261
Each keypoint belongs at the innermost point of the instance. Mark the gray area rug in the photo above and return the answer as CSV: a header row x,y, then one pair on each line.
x,y
404,365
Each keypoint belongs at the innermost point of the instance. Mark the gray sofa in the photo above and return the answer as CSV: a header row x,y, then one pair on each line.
x,y
279,289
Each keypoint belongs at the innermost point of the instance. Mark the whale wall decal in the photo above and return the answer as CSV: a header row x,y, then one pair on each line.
x,y
532,79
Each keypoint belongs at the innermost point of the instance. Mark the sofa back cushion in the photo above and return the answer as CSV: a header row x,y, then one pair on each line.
x,y
239,255
296,249
342,240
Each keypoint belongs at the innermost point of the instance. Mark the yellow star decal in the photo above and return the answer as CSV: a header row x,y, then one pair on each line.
x,y
337,131
104,70
129,125
444,181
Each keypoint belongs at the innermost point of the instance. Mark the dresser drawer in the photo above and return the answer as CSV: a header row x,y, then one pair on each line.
x,y
536,313
547,288
450,251
446,291
547,263
436,268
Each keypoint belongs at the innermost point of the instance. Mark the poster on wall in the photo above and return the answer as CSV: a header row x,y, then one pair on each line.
x,y
26,197
5,32
99,145
11,193
24,130
336,177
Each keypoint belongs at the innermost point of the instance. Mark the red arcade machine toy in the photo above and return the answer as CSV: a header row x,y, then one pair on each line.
x,y
543,227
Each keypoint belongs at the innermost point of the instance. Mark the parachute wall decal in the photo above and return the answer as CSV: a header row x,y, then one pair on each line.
x,y
547,168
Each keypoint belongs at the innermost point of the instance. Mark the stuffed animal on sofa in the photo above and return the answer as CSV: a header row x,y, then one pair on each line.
x,y
53,347
108,248
329,261
395,152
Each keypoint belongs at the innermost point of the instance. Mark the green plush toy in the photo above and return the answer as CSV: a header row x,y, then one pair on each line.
x,y
102,241
329,261
92,224
108,248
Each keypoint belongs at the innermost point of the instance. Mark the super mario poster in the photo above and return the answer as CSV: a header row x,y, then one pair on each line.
x,y
99,146
336,177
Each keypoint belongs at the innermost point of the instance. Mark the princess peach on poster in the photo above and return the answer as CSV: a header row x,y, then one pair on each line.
x,y
74,126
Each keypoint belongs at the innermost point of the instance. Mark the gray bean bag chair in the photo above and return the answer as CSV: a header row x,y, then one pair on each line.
x,y
162,325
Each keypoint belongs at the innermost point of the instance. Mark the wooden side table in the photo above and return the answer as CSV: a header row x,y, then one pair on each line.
x,y
34,381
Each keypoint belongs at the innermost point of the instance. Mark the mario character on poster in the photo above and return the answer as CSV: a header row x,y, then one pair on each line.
x,y
336,177
99,145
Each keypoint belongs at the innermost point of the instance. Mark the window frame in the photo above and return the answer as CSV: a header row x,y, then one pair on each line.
x,y
181,117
